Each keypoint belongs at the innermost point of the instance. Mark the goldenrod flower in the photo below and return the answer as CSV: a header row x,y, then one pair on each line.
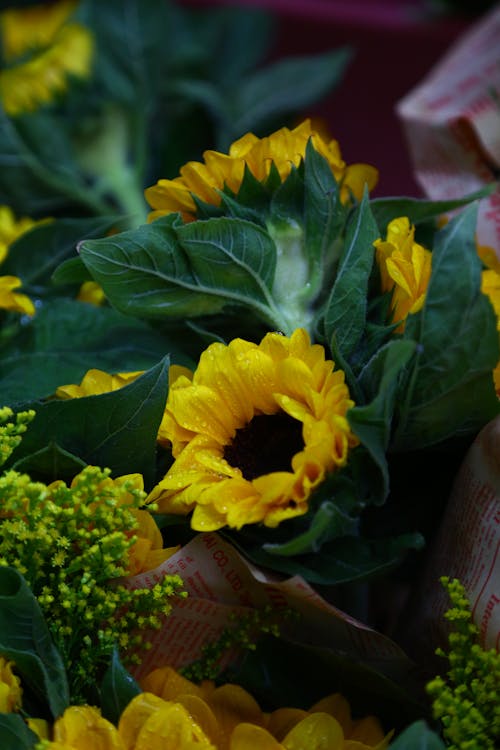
x,y
42,47
95,382
405,269
284,148
12,300
254,431
10,688
233,720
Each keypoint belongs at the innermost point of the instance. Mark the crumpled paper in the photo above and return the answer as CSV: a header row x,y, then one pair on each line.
x,y
452,125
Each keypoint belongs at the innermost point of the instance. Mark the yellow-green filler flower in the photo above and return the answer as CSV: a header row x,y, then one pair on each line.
x,y
41,46
254,431
72,544
467,701
285,148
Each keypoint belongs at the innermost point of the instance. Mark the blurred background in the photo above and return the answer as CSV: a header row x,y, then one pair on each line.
x,y
394,44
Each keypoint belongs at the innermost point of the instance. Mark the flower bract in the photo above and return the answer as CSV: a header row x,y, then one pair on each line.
x,y
284,149
254,432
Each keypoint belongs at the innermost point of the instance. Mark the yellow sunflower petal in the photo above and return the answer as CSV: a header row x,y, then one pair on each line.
x,y
83,728
171,728
318,731
282,720
250,737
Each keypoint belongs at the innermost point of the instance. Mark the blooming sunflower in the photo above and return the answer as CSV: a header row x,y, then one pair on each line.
x,y
405,269
254,431
284,149
41,47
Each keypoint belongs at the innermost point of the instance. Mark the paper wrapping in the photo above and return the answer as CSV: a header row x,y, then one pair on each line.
x,y
452,125
219,581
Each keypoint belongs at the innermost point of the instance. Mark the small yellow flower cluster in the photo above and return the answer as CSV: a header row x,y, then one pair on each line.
x,y
42,46
174,713
11,431
242,633
467,702
71,544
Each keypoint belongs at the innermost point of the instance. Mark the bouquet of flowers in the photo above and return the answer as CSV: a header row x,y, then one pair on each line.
x,y
233,409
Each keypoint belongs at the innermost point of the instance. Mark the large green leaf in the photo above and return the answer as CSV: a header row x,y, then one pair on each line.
x,y
449,390
36,254
66,338
166,271
38,173
342,560
372,422
116,430
324,217
15,733
234,257
284,672
419,210
117,689
25,638
345,311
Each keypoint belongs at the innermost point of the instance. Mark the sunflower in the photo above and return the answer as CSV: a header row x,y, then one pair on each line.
x,y
405,269
42,47
284,149
254,431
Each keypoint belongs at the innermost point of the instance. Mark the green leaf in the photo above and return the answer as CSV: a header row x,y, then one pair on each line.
x,y
25,638
117,689
235,257
71,271
418,736
15,733
345,311
36,254
372,422
449,390
116,430
330,520
324,216
50,463
164,271
289,672
420,210
342,560
286,86
66,338
38,175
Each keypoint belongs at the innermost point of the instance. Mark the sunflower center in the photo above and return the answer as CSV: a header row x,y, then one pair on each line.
x,y
266,444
